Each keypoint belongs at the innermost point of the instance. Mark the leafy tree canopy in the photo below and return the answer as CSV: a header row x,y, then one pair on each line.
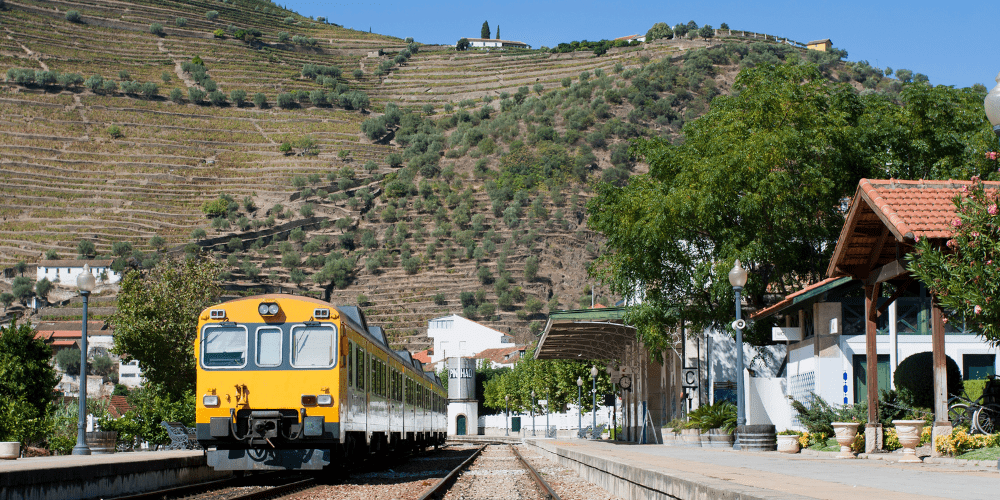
x,y
658,31
484,32
554,380
157,319
26,382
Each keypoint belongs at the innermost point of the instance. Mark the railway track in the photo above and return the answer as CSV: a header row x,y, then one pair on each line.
x,y
255,487
488,474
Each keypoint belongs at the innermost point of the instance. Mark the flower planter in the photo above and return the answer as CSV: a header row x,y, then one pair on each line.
x,y
720,439
847,432
10,450
788,443
102,442
691,437
706,440
908,432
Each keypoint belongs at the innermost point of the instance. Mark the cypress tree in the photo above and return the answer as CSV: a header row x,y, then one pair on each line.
x,y
485,32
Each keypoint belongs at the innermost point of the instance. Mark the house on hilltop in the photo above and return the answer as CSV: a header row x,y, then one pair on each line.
x,y
823,45
631,38
488,43
65,272
458,337
502,357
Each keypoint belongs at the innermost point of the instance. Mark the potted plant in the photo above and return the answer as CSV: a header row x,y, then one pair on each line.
x,y
847,433
788,441
908,432
10,450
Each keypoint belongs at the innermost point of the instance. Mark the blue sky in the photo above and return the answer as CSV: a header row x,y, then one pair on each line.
x,y
954,43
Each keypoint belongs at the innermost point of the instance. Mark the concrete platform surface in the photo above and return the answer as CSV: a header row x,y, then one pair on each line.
x,y
659,471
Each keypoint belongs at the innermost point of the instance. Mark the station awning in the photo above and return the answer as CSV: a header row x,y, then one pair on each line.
x,y
585,334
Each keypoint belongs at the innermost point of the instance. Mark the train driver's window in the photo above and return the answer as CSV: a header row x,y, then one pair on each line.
x,y
314,346
224,346
268,346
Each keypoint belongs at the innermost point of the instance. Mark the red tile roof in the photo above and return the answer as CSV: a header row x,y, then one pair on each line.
x,y
118,406
421,356
501,355
915,208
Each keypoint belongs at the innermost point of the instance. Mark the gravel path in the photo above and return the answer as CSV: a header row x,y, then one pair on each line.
x,y
496,473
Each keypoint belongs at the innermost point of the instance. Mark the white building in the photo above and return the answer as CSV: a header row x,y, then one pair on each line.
x,y
129,374
487,43
65,272
458,337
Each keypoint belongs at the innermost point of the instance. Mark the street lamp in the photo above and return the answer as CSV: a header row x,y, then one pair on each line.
x,y
992,105
593,374
506,418
532,413
613,433
579,404
738,278
85,282
545,404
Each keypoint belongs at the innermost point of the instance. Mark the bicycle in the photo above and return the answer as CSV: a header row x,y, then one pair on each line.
x,y
981,415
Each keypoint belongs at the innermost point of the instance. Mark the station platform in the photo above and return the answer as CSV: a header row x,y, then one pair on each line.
x,y
658,471
101,476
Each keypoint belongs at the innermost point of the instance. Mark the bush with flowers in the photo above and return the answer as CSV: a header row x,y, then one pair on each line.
x,y
964,273
960,441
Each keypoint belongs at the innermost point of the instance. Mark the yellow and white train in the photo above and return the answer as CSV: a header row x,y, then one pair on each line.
x,y
288,382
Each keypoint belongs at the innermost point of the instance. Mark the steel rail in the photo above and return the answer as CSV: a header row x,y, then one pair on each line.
x,y
205,487
546,490
439,487
278,491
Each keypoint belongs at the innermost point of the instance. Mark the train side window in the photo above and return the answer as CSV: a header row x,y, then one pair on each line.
x,y
224,346
268,346
350,363
362,374
314,346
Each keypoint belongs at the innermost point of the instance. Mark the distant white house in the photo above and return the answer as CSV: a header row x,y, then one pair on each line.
x,y
631,38
487,43
458,337
129,374
65,272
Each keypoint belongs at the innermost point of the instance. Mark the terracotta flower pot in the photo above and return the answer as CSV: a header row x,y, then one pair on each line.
x,y
847,432
788,443
10,450
908,432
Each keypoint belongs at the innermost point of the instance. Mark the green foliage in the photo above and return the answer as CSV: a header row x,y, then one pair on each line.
x,y
554,380
721,415
260,100
86,248
156,29
115,132
73,16
216,208
157,317
212,15
151,405
961,274
181,22
915,377
484,32
43,287
195,95
658,31
27,380
285,100
462,44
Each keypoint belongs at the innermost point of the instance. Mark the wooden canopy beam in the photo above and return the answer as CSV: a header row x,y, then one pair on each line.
x,y
887,272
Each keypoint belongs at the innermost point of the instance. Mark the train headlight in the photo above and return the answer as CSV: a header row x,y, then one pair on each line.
x,y
267,308
210,401
308,400
324,400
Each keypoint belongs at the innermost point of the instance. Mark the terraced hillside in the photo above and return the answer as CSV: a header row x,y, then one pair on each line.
x,y
343,164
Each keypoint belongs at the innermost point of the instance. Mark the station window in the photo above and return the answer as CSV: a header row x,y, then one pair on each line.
x,y
224,346
314,346
268,346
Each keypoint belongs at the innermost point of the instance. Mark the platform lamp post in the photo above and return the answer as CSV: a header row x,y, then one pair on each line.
x,y
992,105
738,278
579,404
593,375
532,413
506,419
613,433
85,282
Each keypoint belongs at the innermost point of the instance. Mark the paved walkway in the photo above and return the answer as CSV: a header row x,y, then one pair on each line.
x,y
776,475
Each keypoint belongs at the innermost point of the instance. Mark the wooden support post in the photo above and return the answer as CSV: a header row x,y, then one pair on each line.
x,y
942,425
871,352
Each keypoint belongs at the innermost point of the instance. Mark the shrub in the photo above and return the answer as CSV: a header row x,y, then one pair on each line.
x,y
914,377
289,20
181,22
439,299
219,33
286,100
115,132
285,147
260,100
176,95
195,95
358,74
156,29
73,16
238,97
210,85
198,234
150,89
217,98
212,15
283,36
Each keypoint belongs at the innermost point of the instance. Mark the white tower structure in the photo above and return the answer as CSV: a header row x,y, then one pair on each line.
x,y
463,407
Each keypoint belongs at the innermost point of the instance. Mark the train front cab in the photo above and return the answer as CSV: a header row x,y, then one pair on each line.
x,y
268,384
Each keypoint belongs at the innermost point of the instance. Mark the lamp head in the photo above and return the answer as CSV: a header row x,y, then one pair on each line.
x,y
593,371
506,398
992,105
532,393
85,282
579,381
738,275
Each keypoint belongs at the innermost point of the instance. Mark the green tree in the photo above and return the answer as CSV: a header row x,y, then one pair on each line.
x,y
69,360
86,249
758,178
462,44
531,268
156,320
658,31
484,32
156,29
706,31
6,298
961,272
73,16
42,288
27,380
20,267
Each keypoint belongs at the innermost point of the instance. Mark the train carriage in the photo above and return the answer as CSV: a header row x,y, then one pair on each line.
x,y
288,382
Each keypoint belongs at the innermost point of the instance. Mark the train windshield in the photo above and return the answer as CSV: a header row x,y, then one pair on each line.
x,y
314,346
224,347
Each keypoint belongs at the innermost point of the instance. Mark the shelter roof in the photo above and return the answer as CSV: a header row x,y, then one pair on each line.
x,y
585,334
815,42
904,210
807,294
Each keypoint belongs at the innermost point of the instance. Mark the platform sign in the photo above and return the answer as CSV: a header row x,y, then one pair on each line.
x,y
689,378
